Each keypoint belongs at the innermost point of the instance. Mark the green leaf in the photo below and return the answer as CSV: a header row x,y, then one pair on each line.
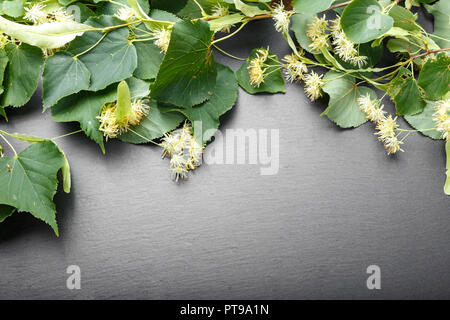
x,y
408,45
123,108
226,21
29,181
13,8
343,108
5,212
299,25
112,60
48,35
404,18
434,77
206,115
363,21
149,58
63,76
3,113
170,6
441,12
424,121
153,126
187,75
308,6
273,83
447,183
22,74
248,10
406,93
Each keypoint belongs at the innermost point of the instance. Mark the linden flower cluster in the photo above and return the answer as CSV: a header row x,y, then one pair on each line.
x,y
109,124
316,31
386,126
219,11
125,14
442,118
294,69
281,18
184,151
162,38
38,15
257,67
313,85
345,48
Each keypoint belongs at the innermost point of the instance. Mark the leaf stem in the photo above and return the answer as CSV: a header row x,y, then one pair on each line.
x,y
231,34
428,52
7,142
66,135
92,47
145,138
228,54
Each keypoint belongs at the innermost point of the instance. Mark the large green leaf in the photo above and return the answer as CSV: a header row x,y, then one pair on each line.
x,y
113,59
441,12
299,25
424,121
363,21
153,126
404,18
435,77
29,181
308,6
22,74
205,116
343,108
63,76
273,83
5,212
187,75
3,63
47,35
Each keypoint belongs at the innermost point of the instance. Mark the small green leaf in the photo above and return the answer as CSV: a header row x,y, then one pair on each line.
x,y
187,75
434,77
29,181
310,7
248,10
22,74
3,113
13,8
63,76
149,58
441,13
3,63
406,93
114,50
424,121
123,108
5,212
447,183
363,21
343,108
404,18
153,126
273,82
23,137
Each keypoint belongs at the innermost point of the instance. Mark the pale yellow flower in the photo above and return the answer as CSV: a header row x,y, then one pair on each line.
x,y
313,85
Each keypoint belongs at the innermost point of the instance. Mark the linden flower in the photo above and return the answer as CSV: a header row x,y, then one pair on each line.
x,y
219,11
374,112
346,50
319,43
294,68
162,39
256,68
36,13
442,118
138,110
109,124
313,85
393,145
281,18
317,28
184,150
386,133
4,40
61,15
125,14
